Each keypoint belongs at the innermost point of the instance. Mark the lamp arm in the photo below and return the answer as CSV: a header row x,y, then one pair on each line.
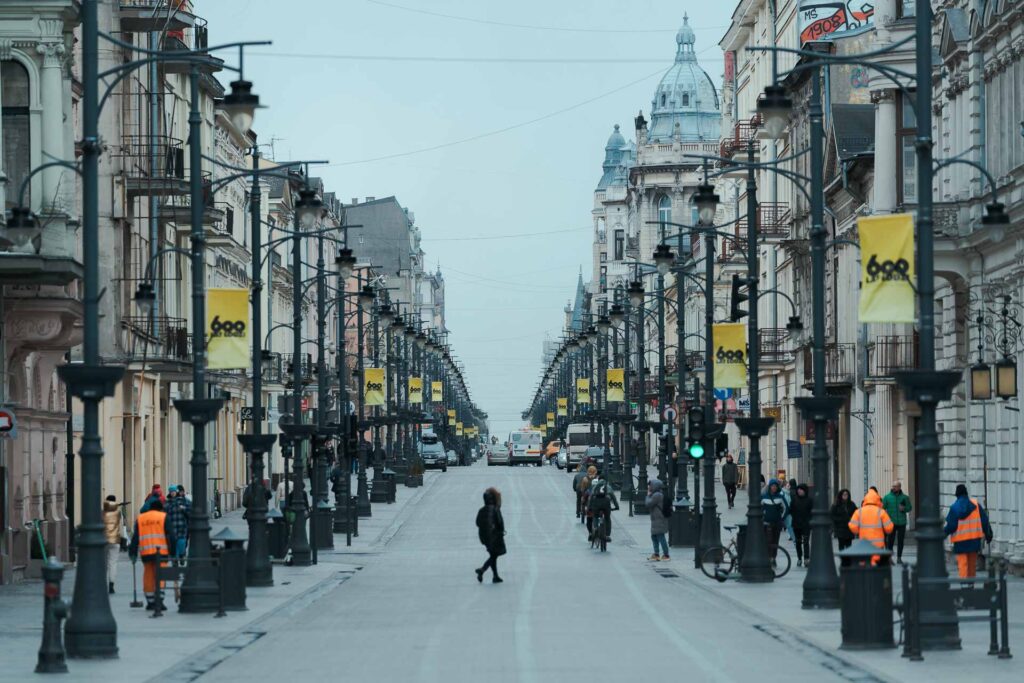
x,y
43,167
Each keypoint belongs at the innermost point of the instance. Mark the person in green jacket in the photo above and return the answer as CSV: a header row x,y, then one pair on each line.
x,y
897,505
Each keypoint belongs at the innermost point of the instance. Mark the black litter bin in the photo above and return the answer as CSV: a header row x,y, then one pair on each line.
x,y
390,485
324,526
277,534
682,527
865,597
231,569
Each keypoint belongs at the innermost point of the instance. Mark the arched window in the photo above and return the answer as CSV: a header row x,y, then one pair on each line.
x,y
664,210
16,129
686,99
663,99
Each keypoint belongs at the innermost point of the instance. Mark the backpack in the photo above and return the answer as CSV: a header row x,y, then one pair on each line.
x,y
666,507
601,490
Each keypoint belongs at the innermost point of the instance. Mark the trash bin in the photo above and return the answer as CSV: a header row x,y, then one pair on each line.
x,y
277,534
682,527
231,569
865,598
324,525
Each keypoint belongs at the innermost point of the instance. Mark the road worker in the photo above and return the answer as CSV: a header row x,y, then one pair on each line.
x,y
871,522
152,540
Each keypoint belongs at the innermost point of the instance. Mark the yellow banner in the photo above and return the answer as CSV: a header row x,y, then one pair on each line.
x,y
583,391
227,329
458,429
373,386
886,269
451,418
437,391
551,420
563,407
615,385
416,390
730,355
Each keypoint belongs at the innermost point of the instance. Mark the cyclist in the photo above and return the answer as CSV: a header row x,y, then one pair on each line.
x,y
601,501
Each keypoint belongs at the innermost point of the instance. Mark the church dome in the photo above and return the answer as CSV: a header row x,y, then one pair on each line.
x,y
685,96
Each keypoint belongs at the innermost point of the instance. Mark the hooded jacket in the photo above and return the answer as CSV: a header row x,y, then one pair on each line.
x,y
654,501
490,525
961,508
871,522
800,509
111,522
774,506
841,512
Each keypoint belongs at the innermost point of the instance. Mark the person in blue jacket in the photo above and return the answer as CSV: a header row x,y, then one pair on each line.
x,y
776,509
966,525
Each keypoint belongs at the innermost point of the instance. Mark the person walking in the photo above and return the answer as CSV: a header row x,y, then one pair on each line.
x,y
788,491
179,512
871,522
775,509
659,522
897,505
966,524
491,529
112,529
800,512
730,478
156,493
152,540
840,513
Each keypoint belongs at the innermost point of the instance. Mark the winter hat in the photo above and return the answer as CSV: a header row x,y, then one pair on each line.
x,y
961,490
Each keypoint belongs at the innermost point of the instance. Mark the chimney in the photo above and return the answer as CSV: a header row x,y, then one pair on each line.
x,y
355,200
370,199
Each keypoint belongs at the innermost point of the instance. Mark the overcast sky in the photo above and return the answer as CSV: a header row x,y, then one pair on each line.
x,y
486,122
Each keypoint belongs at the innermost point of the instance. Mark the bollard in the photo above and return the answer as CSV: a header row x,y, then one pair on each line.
x,y
51,652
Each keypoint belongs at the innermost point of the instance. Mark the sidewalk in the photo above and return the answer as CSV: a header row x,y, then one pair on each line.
x,y
181,647
816,633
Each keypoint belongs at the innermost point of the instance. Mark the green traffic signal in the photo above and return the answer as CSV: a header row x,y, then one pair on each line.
x,y
696,451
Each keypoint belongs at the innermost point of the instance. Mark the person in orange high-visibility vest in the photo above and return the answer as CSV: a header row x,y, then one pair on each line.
x,y
152,540
966,524
871,522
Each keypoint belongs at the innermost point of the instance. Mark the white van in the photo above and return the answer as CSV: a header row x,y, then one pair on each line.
x,y
578,438
524,446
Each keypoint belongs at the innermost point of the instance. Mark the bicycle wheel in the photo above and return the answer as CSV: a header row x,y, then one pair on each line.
x,y
782,562
717,562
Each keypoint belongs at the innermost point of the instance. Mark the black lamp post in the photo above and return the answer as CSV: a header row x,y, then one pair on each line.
x,y
635,292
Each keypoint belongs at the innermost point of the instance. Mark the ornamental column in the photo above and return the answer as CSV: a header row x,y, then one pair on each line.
x,y
51,92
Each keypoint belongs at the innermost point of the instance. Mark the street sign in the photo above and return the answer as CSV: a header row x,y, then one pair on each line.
x,y
723,394
669,414
247,413
8,424
304,404
774,412
743,404
794,449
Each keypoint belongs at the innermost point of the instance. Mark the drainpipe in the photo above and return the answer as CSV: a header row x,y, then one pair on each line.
x,y
154,164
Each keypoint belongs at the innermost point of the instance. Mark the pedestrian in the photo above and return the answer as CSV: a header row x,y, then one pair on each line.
x,y
577,487
113,529
491,529
730,477
659,523
841,512
897,504
156,493
871,522
152,539
800,513
181,492
775,509
179,512
788,492
282,494
966,524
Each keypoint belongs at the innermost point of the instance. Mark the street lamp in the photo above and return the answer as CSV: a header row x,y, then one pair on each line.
x,y
366,297
1006,378
636,294
617,314
21,226
707,203
664,259
145,298
345,263
241,104
981,381
774,108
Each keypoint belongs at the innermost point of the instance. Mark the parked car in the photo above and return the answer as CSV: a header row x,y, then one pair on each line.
x,y
497,454
432,453
453,458
561,458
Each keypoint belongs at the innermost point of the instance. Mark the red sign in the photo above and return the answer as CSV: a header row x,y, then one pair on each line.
x,y
304,405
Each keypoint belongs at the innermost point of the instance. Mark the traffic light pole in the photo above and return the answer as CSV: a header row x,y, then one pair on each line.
x,y
710,534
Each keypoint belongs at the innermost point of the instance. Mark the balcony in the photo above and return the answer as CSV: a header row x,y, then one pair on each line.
x,y
143,16
743,132
274,374
774,346
840,365
892,353
773,220
159,343
179,212
153,165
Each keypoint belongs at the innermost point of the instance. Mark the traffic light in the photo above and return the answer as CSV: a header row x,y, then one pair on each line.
x,y
721,445
695,431
735,312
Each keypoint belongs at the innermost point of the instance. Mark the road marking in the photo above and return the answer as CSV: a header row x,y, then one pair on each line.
x,y
524,652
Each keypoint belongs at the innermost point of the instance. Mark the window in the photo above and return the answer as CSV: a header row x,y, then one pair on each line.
x,y
620,245
16,129
663,99
905,9
686,99
229,221
664,210
906,130
604,256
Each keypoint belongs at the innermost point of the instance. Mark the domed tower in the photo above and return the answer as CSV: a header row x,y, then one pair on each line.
x,y
685,96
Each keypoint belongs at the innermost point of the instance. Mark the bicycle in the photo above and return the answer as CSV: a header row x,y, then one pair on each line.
x,y
718,562
215,507
599,537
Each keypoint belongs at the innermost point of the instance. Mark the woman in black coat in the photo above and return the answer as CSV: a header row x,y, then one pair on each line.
x,y
491,528
800,510
841,512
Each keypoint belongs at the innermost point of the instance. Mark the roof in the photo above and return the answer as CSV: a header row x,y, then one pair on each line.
x,y
685,103
384,231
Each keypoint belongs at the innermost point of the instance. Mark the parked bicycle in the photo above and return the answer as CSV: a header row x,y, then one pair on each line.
x,y
719,562
215,506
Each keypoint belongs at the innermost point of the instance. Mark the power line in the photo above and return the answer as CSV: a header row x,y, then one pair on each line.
x,y
506,128
500,237
466,60
533,27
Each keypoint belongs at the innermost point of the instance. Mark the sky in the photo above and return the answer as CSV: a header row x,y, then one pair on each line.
x,y
487,120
